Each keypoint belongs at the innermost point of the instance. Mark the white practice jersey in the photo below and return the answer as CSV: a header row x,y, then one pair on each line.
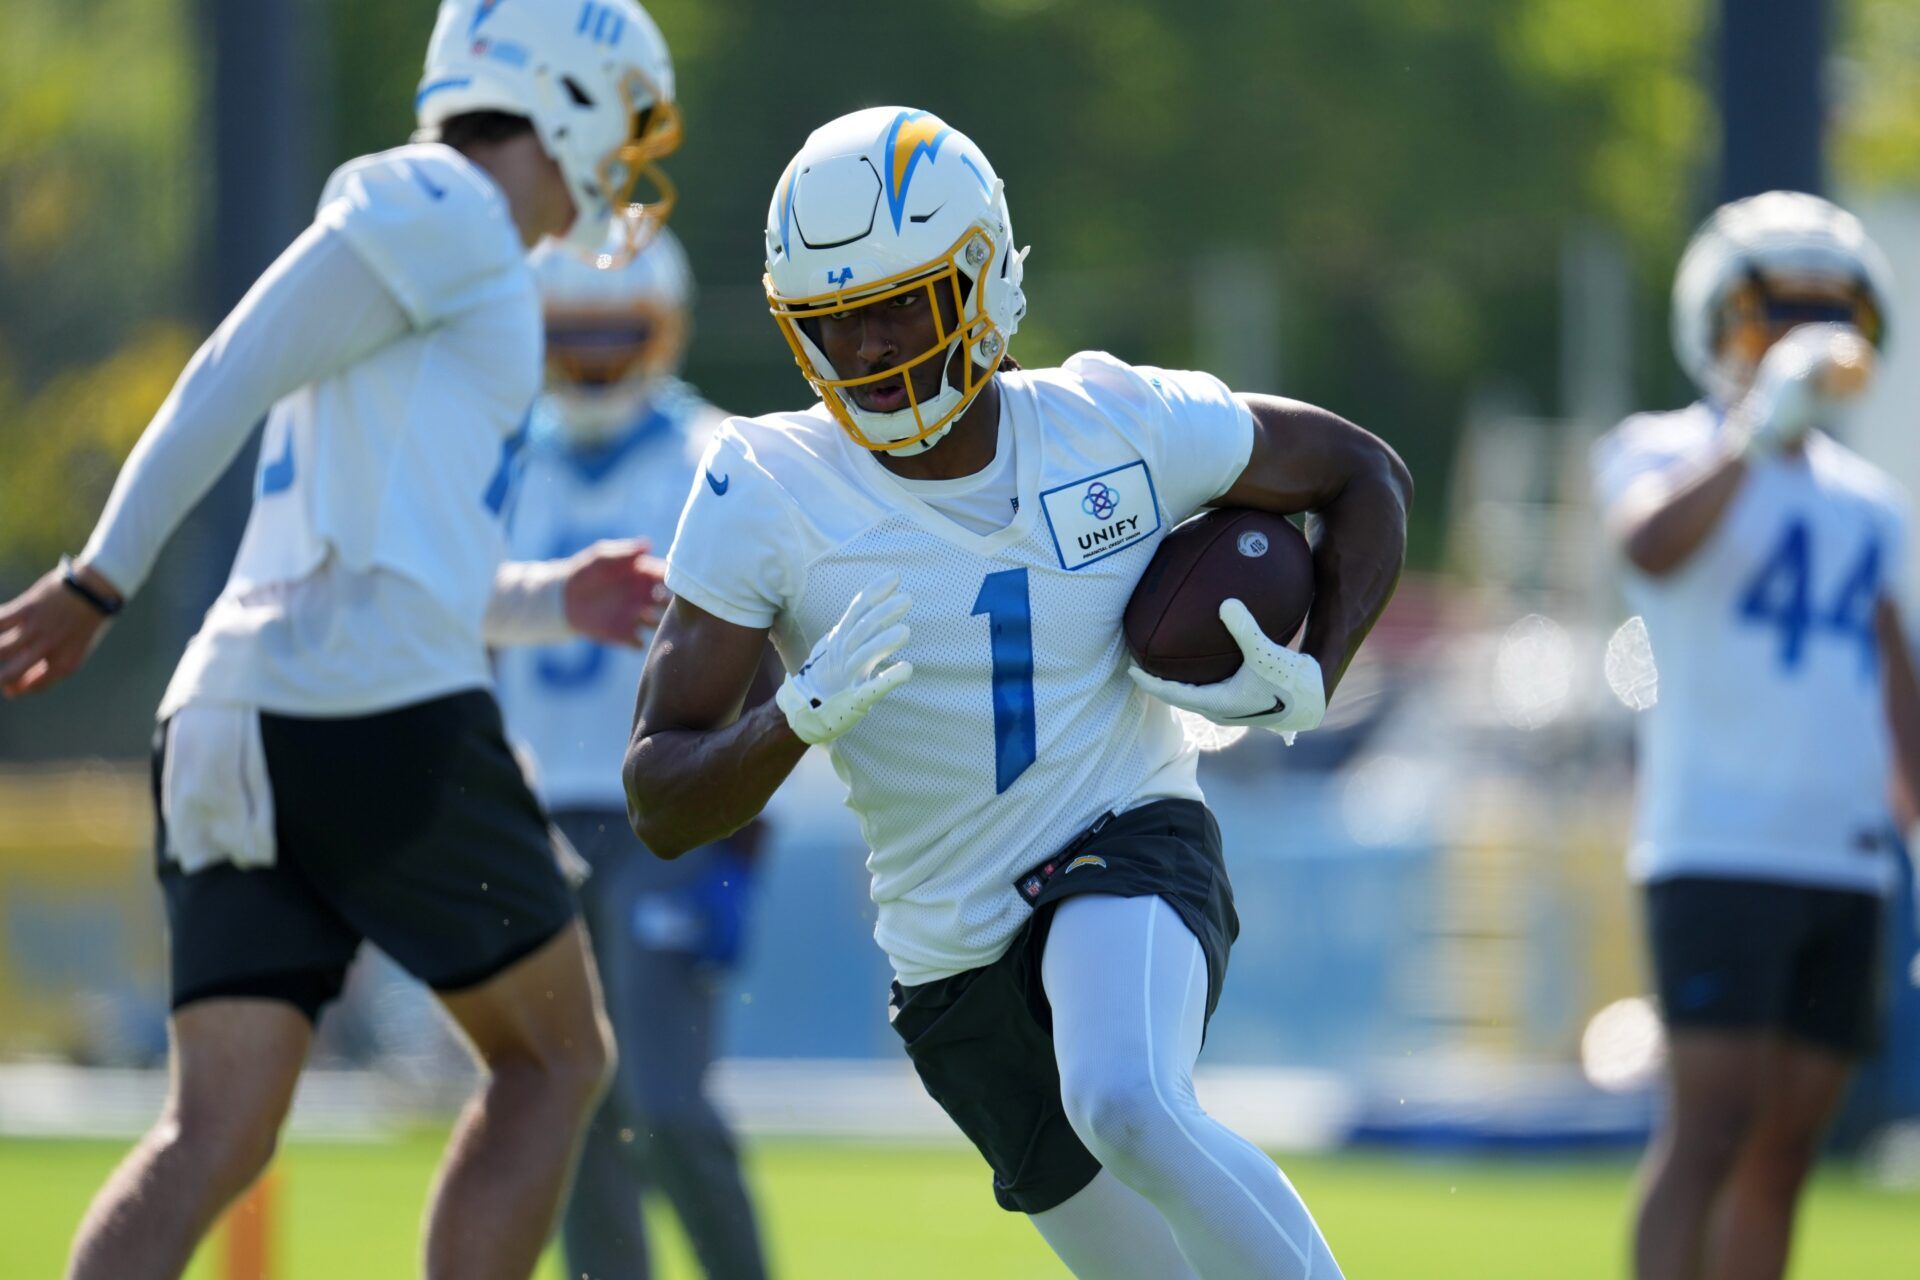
x,y
1767,753
570,706
1019,727
375,534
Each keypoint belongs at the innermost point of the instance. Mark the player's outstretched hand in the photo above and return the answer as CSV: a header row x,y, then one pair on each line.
x,y
1804,381
1275,688
615,591
46,632
838,685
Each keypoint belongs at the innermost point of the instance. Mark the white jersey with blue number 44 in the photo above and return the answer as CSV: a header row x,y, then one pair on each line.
x,y
570,706
1767,753
1019,727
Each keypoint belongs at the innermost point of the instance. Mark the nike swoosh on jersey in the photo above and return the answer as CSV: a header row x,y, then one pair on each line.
x,y
438,193
718,483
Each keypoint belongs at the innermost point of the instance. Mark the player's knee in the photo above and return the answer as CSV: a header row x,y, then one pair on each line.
x,y
569,1070
584,1064
1122,1117
1779,1157
1712,1138
225,1150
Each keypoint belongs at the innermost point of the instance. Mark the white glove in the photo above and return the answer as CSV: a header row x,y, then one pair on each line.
x,y
838,684
1275,688
1803,381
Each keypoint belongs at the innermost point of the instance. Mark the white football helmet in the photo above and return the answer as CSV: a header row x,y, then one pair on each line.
x,y
615,336
878,203
595,79
1761,265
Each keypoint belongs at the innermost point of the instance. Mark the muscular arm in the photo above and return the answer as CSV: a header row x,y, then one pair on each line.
x,y
697,769
1901,692
1308,459
1662,521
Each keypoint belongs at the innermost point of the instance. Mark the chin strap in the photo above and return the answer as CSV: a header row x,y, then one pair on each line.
x,y
921,446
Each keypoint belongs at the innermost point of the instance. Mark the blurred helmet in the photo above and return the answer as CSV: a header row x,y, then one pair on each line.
x,y
1762,265
594,78
616,335
876,204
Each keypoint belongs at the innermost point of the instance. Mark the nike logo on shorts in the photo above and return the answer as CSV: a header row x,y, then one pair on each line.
x,y
718,483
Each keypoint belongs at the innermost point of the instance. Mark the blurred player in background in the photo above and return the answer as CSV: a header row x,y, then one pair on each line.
x,y
1050,886
1765,558
331,766
615,446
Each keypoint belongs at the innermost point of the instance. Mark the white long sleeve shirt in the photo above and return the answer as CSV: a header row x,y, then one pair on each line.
x,y
397,344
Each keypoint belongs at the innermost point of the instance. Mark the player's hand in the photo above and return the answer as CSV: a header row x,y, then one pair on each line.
x,y
1804,381
1275,688
615,591
838,685
47,631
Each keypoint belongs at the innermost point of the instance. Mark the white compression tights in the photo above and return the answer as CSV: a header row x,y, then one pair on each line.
x,y
1128,986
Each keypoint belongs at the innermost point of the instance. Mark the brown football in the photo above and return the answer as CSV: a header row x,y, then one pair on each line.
x,y
1173,618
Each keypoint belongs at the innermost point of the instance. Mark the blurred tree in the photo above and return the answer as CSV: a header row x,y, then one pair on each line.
x,y
98,181
1877,94
74,433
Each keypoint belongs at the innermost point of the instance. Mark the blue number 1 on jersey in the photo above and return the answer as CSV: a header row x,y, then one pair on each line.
x,y
1003,598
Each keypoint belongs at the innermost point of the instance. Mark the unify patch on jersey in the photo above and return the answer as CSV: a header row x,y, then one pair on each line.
x,y
1097,515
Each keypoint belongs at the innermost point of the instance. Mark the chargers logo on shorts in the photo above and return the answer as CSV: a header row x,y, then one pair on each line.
x,y
1084,860
1095,516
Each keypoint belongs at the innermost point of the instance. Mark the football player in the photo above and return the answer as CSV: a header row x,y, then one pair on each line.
x,y
1049,884
330,766
615,445
1764,557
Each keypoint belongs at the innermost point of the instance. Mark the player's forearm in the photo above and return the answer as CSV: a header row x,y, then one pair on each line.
x,y
687,788
1659,534
528,605
190,441
1357,558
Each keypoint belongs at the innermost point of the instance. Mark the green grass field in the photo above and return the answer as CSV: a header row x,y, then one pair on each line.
x,y
855,1211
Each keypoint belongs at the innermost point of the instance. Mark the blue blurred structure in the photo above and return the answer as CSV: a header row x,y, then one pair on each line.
x,y
1773,104
1888,1086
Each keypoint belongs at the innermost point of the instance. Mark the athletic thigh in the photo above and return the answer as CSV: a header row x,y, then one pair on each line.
x,y
1127,982
543,1008
234,1063
1717,1082
1801,1086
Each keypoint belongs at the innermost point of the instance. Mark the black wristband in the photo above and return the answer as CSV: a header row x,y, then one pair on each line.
x,y
105,607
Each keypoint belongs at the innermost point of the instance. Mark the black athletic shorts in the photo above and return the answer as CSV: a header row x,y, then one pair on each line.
x,y
982,1041
1765,955
412,829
